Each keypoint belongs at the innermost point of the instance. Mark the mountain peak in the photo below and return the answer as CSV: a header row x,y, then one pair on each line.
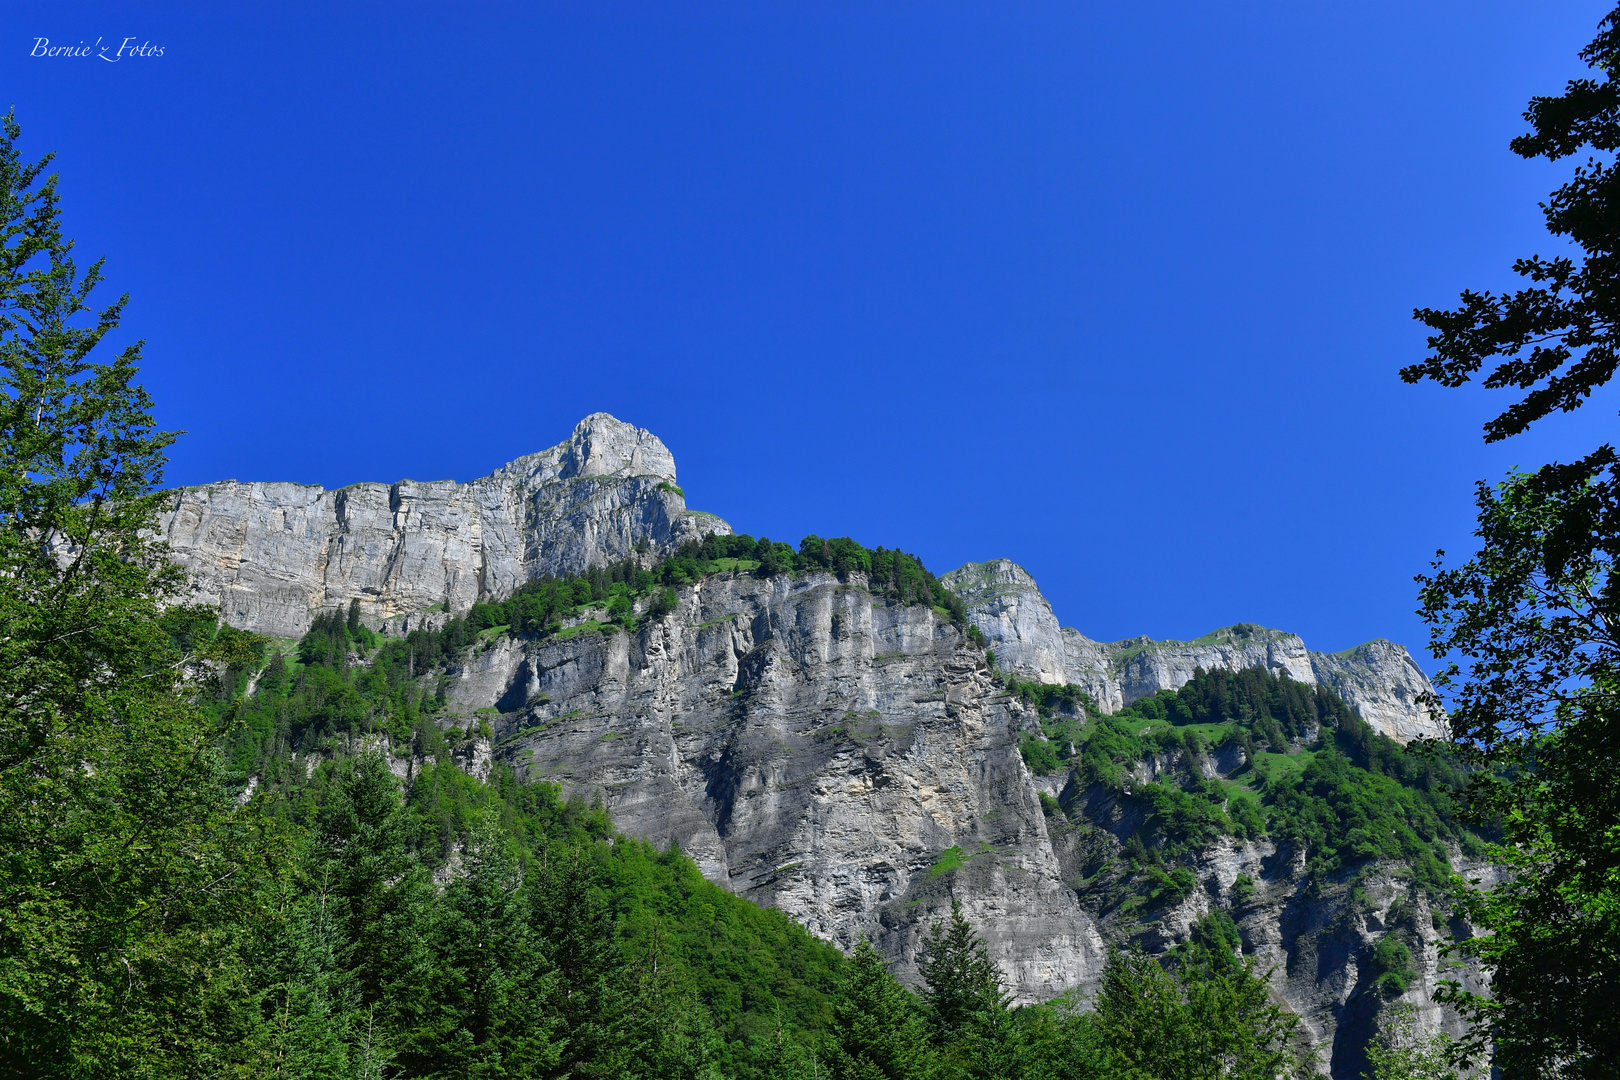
x,y
600,445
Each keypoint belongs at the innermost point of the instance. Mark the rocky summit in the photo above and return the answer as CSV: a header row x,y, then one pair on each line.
x,y
272,556
819,745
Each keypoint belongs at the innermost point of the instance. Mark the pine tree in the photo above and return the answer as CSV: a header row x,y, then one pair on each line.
x,y
877,1033
123,873
962,980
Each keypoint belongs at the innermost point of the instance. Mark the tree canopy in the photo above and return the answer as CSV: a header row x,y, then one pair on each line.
x,y
1527,627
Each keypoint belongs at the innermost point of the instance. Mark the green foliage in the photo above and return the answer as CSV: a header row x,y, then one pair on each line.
x,y
878,1032
952,858
1354,795
1242,889
1557,337
1209,1020
1039,754
539,608
1399,1053
123,871
1392,966
550,951
1529,622
962,980
890,573
1344,815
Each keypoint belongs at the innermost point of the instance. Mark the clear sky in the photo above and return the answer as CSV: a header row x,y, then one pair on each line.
x,y
1118,291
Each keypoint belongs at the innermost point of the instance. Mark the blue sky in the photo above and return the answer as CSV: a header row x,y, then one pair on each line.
x,y
1116,291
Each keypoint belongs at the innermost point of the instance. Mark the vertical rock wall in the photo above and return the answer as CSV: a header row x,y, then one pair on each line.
x,y
272,556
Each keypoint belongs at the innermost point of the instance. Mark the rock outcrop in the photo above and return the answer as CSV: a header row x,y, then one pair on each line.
x,y
847,758
1380,678
272,556
813,748
852,761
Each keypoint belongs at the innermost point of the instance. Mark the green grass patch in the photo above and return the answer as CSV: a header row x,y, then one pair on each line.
x,y
952,858
1280,768
589,626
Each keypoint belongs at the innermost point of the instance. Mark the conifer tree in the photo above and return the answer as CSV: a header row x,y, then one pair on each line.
x,y
123,874
1214,1021
578,934
309,1009
488,1010
962,980
380,894
878,1033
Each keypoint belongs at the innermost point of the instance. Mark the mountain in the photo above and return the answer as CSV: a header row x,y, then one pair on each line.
x,y
272,556
824,742
1379,678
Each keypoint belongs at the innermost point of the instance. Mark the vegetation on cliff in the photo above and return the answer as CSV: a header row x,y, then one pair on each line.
x,y
1248,754
629,593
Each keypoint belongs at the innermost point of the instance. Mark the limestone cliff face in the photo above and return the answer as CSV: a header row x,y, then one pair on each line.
x,y
1382,680
851,761
1317,937
272,556
844,758
1379,678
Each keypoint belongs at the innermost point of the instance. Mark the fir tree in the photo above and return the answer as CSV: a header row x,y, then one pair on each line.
x,y
962,980
489,1005
124,876
381,895
877,1033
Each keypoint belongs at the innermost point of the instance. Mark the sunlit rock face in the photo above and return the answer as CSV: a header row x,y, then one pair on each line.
x,y
846,758
271,556
852,761
813,748
1380,678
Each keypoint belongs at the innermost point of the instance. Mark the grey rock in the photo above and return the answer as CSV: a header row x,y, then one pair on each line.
x,y
813,748
1380,678
1315,938
272,556
850,761
841,756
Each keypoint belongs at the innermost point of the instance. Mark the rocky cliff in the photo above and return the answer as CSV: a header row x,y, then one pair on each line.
x,y
1379,678
843,756
272,556
812,747
855,763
